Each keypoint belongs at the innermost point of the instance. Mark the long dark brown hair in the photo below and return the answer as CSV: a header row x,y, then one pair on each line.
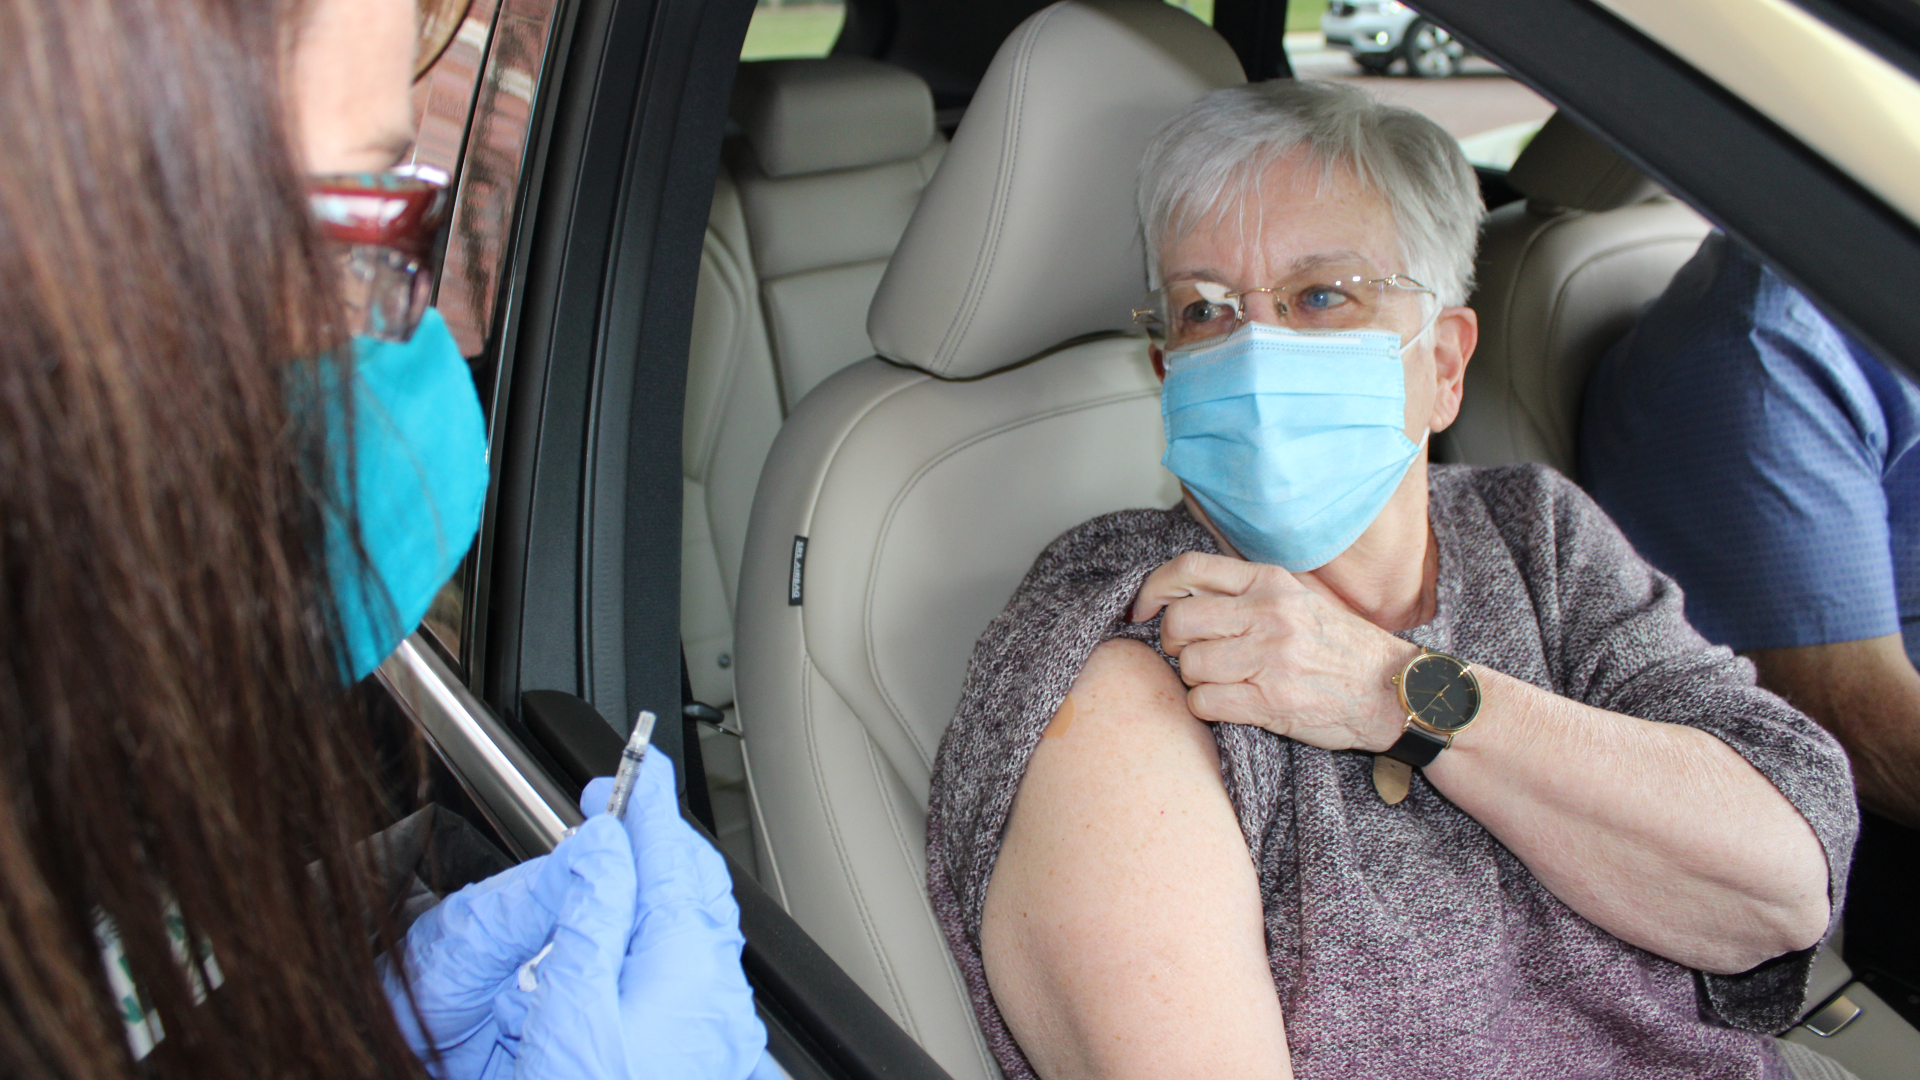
x,y
175,739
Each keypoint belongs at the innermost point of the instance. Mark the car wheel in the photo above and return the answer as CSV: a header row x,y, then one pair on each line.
x,y
1432,53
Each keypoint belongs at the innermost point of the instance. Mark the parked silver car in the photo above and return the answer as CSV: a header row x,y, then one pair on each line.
x,y
1379,32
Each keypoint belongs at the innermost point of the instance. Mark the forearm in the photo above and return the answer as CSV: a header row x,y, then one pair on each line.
x,y
1658,833
1886,772
1868,694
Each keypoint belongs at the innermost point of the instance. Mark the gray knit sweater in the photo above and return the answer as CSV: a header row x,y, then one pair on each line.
x,y
1534,581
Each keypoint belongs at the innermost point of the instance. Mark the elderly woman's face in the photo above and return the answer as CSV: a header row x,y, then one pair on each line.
x,y
1294,224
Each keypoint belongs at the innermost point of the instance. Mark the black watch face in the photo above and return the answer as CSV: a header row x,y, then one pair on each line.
x,y
1441,693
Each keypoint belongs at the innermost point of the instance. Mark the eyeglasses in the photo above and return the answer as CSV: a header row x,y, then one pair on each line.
x,y
383,226
1189,312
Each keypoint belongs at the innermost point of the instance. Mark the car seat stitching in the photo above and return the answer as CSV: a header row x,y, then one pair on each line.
x,y
825,268
840,849
733,268
759,821
907,489
777,346
881,769
1016,116
832,455
711,423
740,275
807,668
1542,422
1003,183
740,278
805,528
1509,407
754,288
777,320
886,527
990,242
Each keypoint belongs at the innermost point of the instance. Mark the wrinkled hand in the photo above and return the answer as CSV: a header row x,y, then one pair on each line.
x,y
1258,646
462,953
644,979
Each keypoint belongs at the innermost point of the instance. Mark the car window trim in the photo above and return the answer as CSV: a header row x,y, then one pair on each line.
x,y
517,797
1834,94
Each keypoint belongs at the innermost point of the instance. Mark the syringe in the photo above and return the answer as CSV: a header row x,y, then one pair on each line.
x,y
631,759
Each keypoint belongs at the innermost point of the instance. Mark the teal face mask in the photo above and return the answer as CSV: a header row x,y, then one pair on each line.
x,y
1291,441
420,461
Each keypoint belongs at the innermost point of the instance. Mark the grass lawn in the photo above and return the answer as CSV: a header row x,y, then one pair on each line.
x,y
795,30
1200,9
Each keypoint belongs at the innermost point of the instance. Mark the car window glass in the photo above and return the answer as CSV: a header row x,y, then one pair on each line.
x,y
1388,49
790,28
474,107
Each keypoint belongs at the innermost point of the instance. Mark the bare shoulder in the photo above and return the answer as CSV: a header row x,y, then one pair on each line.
x,y
1125,664
1122,817
1125,692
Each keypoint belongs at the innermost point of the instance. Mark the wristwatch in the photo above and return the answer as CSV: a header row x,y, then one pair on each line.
x,y
1441,696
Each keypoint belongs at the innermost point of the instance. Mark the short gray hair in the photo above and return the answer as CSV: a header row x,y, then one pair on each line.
x,y
1220,146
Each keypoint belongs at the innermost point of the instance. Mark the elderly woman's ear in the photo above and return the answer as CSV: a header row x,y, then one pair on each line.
x,y
1455,333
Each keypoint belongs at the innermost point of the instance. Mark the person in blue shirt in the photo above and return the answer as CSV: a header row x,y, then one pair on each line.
x,y
1771,465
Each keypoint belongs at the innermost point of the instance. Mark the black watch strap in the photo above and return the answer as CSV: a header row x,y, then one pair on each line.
x,y
1416,748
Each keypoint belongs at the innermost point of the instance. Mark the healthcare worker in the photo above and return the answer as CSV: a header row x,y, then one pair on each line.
x,y
206,440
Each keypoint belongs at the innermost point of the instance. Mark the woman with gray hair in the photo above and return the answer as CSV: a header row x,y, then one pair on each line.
x,y
1508,815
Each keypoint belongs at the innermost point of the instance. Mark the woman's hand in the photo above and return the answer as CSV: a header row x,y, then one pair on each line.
x,y
1259,647
464,952
644,979
615,957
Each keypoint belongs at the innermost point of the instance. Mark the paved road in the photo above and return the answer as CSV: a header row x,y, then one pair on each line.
x,y
1479,99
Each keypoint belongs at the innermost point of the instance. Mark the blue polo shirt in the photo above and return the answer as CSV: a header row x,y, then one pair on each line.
x,y
1763,459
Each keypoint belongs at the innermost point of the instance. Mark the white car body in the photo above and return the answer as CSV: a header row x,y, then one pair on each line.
x,y
1379,32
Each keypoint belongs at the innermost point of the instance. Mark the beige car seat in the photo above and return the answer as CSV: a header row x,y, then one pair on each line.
x,y
906,496
815,190
1562,275
834,155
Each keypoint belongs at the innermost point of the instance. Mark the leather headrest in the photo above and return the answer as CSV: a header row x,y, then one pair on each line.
x,y
1565,166
1028,236
836,112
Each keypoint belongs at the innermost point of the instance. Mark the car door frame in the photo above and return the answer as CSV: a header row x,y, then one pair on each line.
x,y
573,585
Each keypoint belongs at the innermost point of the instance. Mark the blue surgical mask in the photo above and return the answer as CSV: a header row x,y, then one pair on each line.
x,y
420,461
1292,442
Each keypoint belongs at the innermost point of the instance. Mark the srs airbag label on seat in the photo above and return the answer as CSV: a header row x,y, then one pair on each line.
x,y
797,572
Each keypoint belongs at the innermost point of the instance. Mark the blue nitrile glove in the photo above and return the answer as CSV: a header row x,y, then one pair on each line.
x,y
468,948
644,986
